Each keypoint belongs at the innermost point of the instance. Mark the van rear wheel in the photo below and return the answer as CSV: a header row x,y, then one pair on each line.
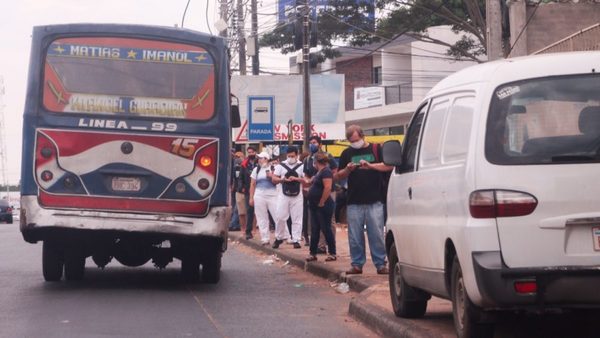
x,y
407,301
467,316
52,261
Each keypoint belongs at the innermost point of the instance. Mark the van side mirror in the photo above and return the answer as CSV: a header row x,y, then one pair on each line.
x,y
392,153
236,121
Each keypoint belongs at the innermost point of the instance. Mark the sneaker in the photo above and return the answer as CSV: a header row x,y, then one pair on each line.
x,y
249,236
277,243
354,270
297,245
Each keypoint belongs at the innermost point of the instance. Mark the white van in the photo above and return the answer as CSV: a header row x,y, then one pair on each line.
x,y
494,202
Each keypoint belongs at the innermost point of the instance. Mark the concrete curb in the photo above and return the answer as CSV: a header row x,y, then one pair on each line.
x,y
383,322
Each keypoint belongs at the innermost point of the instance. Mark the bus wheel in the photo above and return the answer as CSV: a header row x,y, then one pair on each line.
x,y
52,261
211,268
74,266
190,269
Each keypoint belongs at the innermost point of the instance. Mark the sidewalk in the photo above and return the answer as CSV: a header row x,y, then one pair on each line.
x,y
372,305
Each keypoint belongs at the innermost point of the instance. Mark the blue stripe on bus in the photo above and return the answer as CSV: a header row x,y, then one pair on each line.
x,y
129,54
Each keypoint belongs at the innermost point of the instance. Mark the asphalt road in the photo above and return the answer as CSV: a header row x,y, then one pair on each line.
x,y
252,300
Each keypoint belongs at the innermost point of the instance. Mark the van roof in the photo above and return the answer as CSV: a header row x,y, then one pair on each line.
x,y
520,68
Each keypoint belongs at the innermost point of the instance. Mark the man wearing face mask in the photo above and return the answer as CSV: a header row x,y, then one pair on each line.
x,y
362,164
310,170
289,174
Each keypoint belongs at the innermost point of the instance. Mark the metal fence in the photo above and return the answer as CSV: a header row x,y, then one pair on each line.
x,y
586,39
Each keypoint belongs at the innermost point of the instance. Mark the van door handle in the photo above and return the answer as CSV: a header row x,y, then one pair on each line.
x,y
410,193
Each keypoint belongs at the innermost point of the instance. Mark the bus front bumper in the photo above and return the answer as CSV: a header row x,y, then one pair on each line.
x,y
36,222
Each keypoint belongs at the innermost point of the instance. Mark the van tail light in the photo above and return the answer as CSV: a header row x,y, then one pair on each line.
x,y
501,203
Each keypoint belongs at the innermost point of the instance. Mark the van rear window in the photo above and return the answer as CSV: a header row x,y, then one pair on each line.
x,y
545,121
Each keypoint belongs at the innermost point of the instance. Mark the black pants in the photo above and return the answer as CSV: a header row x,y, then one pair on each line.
x,y
321,221
340,203
249,215
305,220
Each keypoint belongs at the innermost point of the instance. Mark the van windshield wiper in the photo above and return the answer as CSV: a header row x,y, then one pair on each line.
x,y
572,158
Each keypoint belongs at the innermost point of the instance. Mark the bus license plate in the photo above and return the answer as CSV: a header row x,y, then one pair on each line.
x,y
596,236
126,184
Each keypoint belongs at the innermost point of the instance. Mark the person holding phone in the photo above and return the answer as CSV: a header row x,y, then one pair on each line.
x,y
361,164
263,195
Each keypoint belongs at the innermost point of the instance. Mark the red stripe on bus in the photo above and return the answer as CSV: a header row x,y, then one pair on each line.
x,y
124,204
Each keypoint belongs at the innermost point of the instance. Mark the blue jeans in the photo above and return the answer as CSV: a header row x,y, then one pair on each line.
x,y
321,221
372,216
235,218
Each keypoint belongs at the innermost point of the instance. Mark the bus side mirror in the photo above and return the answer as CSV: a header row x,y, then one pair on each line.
x,y
236,121
392,153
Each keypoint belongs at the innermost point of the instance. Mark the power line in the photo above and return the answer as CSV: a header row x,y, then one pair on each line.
x,y
184,12
207,21
403,54
387,42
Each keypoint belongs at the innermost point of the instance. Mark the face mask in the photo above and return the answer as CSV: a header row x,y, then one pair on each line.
x,y
313,147
358,144
292,160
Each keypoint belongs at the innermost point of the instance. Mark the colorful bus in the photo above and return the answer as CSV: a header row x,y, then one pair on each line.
x,y
126,148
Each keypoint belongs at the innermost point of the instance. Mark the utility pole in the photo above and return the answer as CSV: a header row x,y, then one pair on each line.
x,y
306,72
241,36
2,139
223,12
255,62
493,30
517,12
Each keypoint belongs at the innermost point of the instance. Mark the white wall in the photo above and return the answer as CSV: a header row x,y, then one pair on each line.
x,y
430,64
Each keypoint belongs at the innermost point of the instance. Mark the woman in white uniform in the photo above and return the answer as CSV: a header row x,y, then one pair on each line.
x,y
263,195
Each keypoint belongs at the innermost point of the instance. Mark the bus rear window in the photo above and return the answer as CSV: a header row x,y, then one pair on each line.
x,y
103,75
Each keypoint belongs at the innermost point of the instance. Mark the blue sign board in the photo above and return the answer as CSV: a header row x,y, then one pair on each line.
x,y
287,8
260,118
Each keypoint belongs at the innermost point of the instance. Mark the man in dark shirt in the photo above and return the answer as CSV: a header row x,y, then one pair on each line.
x,y
361,163
236,162
244,188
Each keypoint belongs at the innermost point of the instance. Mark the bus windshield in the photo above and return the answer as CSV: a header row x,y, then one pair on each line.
x,y
120,76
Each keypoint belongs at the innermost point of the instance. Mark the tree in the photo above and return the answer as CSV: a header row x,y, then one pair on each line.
x,y
355,29
464,16
344,20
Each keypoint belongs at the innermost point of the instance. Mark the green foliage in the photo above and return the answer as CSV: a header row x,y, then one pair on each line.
x,y
345,21
354,29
